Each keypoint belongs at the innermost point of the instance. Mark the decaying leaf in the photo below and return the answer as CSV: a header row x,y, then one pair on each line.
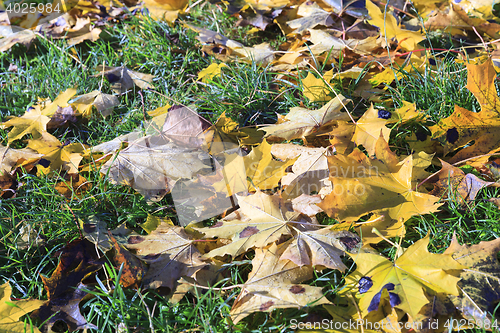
x,y
274,284
65,307
451,181
479,282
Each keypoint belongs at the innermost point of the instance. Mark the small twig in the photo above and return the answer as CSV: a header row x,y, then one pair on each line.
x,y
482,40
193,5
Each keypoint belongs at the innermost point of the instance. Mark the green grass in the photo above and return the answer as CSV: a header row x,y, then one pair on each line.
x,y
249,95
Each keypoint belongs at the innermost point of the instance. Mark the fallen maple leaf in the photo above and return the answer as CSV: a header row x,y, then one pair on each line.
x,y
65,308
104,103
73,185
318,89
11,311
479,282
311,15
274,284
32,122
264,219
57,155
123,79
463,126
131,268
264,172
167,10
370,127
451,181
300,122
381,185
152,165
11,158
390,28
406,281
211,72
170,253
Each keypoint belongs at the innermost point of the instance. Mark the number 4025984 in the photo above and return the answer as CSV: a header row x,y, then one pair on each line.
x,y
27,8
462,324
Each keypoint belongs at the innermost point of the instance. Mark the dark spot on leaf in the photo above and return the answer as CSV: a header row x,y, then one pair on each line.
x,y
112,78
248,231
296,289
218,50
375,302
394,299
218,224
43,162
266,306
432,62
135,239
365,283
421,135
349,242
388,286
384,114
452,135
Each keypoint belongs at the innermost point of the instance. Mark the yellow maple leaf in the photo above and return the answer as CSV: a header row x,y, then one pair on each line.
x,y
407,281
318,89
383,185
390,28
212,71
369,128
262,169
32,122
463,126
11,311
56,154
167,10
